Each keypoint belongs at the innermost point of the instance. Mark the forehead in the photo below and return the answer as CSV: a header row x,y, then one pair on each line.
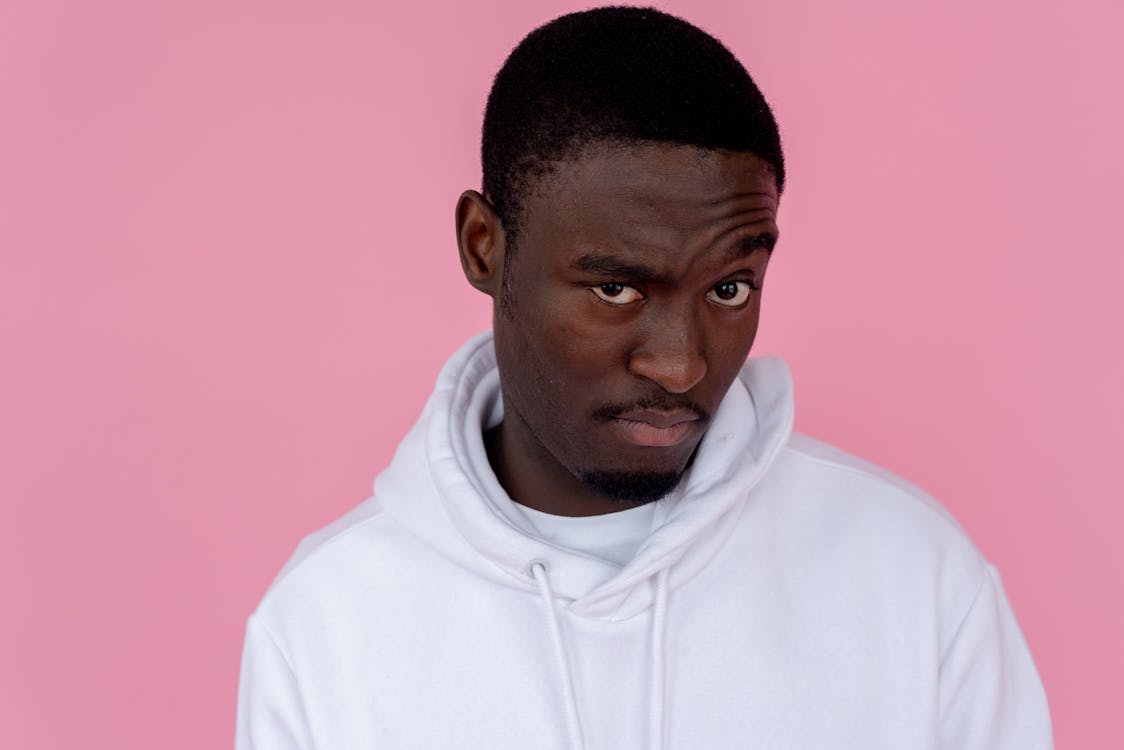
x,y
621,164
657,194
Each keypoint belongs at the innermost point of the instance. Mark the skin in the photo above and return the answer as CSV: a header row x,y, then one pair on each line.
x,y
634,301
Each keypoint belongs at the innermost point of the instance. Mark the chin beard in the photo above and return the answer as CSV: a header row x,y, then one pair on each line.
x,y
631,486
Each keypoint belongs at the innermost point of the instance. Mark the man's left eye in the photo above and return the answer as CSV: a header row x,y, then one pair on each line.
x,y
731,293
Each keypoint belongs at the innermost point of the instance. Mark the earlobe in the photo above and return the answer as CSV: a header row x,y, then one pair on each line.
x,y
480,239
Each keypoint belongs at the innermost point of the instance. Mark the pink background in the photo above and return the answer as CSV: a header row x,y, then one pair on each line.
x,y
228,279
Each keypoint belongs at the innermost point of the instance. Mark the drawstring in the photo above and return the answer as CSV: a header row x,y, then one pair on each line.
x,y
573,726
538,571
659,628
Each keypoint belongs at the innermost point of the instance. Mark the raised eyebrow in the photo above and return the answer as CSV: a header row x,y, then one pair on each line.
x,y
750,244
614,267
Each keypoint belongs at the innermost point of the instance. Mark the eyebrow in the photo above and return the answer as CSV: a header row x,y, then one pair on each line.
x,y
750,244
615,266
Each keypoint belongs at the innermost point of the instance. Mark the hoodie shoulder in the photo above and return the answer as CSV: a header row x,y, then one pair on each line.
x,y
323,558
321,538
875,481
846,509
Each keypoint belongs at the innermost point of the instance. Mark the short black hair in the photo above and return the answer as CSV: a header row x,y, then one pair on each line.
x,y
615,74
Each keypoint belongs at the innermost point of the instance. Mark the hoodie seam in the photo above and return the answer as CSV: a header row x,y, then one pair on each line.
x,y
916,494
271,638
321,546
986,574
259,622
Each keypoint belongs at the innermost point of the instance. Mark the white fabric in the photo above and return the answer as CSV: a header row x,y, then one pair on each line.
x,y
789,596
615,537
573,723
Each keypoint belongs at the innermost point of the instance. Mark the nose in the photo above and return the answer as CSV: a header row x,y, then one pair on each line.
x,y
671,355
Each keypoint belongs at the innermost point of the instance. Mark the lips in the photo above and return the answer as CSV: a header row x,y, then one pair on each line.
x,y
656,429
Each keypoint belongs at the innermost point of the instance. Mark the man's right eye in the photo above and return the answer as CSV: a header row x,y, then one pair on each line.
x,y
616,294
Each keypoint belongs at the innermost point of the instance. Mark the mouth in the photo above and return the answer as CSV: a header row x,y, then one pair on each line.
x,y
656,429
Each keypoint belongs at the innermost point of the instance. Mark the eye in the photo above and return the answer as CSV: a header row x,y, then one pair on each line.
x,y
731,293
616,294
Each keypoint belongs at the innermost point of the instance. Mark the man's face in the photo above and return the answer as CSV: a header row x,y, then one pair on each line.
x,y
634,300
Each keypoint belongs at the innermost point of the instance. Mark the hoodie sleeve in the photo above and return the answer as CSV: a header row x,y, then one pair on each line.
x,y
270,713
990,694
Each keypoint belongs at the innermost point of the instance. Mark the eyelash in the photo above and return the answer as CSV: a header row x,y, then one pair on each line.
x,y
602,294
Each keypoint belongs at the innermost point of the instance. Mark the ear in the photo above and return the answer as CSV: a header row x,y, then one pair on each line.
x,y
480,239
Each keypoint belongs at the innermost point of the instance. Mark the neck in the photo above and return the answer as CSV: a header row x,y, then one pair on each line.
x,y
535,479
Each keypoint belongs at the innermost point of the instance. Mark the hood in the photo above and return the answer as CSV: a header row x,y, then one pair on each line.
x,y
442,489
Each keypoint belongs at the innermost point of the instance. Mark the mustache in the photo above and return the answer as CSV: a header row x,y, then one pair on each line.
x,y
662,402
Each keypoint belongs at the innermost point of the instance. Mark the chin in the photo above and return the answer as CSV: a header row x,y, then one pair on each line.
x,y
631,486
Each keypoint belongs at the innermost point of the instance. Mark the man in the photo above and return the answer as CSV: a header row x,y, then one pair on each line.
x,y
602,532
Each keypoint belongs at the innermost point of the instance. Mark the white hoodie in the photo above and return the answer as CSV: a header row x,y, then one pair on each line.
x,y
789,596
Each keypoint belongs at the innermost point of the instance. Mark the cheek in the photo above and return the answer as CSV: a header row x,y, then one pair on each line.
x,y
548,358
574,339
731,343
